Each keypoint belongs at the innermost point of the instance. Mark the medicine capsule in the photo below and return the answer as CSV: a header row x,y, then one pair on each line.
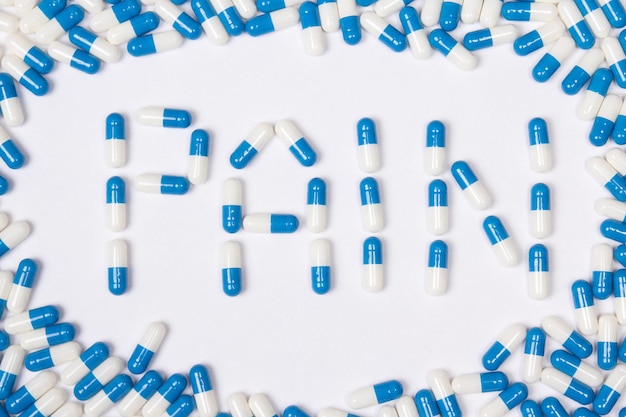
x,y
490,13
164,117
479,382
415,33
21,288
619,295
52,356
13,235
530,408
615,59
613,229
273,21
198,160
385,32
231,205
316,205
502,244
450,14
203,392
47,404
231,268
154,43
295,140
9,368
576,25
24,48
161,184
614,12
596,91
567,386
116,204
30,320
238,405
444,395
540,213
606,175
178,19
245,8
451,49
9,152
135,27
594,17
374,394
372,276
551,407
604,121
60,24
6,282
329,15
312,33
75,58
488,37
473,189
426,403
261,406
538,272
368,154
534,351
610,391
165,396
505,401
9,101
526,12
69,409
108,396
117,271
504,345
251,145
150,341
95,380
619,128
545,34
371,206
320,262
572,366
28,77
584,308
93,44
229,17
552,60
30,392
581,73
349,21
182,407
570,339
405,407
115,128
617,159
437,270
435,152
270,223
210,22
40,15
607,342
86,362
119,13
145,388
51,335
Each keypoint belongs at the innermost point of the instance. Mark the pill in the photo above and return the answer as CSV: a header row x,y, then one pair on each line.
x,y
9,101
270,223
530,408
430,12
551,407
437,270
137,26
273,21
52,356
505,344
371,207
164,117
231,205
118,13
584,308
385,8
312,34
479,382
435,152
615,59
210,22
488,37
415,34
576,25
538,272
404,407
47,404
619,295
526,12
540,212
148,345
316,205
614,12
490,13
203,392
374,394
426,403
294,411
95,45
372,275
115,128
329,15
198,160
238,405
165,396
60,24
31,319
112,392
95,380
589,106
10,367
13,235
572,366
604,121
9,151
117,270
5,340
610,391
607,342
86,362
245,8
594,17
564,334
320,262
147,385
251,145
182,407
349,21
229,17
27,77
444,395
602,271
385,32
508,399
154,43
534,351
40,15
231,268
116,204
503,245
178,19
297,143
32,55
75,58
567,386
51,335
617,159
368,153
606,175
69,409
582,71
619,128
613,229
544,35
6,282
23,281
473,189
30,392
450,14
161,184
454,51
260,406
552,60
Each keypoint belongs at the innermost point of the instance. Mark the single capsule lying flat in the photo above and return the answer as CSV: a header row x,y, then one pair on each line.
x,y
145,388
203,392
320,262
368,154
231,268
504,345
161,184
534,351
584,308
437,270
374,394
231,205
371,207
270,223
164,117
316,205
251,145
473,189
538,272
502,244
198,160
372,276
144,351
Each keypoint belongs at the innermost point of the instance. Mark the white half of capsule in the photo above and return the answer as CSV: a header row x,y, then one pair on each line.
x,y
231,192
13,234
50,31
6,282
13,359
260,406
347,8
153,336
434,157
477,195
90,6
105,50
612,209
215,31
41,383
284,18
8,22
384,8
246,8
589,106
51,401
420,47
540,223
372,217
617,159
118,254
588,375
319,253
460,57
316,217
34,339
506,252
148,183
386,411
313,40
405,407
598,23
490,13
531,368
556,328
69,409
587,320
361,398
108,369
23,7
556,379
372,277
503,34
436,280
439,383
538,284
617,379
260,135
607,328
231,255
329,16
12,111
74,372
103,20
437,220
167,11
197,169
369,157
619,306
167,40
115,152
600,169
18,298
238,405
18,323
610,107
467,384
470,11
430,12
495,408
121,33
206,403
131,404
540,157
61,52
98,404
116,212
32,21
4,218
65,352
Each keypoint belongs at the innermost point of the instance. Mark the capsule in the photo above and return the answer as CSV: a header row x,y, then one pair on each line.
x,y
619,129
404,407
451,49
372,276
320,262
490,13
115,127
178,19
576,25
619,295
444,395
165,396
69,409
614,12
431,10
9,369
540,213
312,33
25,49
582,71
504,345
161,184
203,392
415,34
567,386
329,15
371,206
545,34
435,153
251,145
606,175
584,308
502,244
385,8
117,271
47,404
154,43
270,223
385,32
437,270
473,189
552,60
551,407
133,28
316,205
28,77
450,14
145,388
95,380
527,12
374,394
368,151
470,11
30,392
534,351
530,408
52,356
617,159
229,17
570,339
508,399
538,272
118,13
594,17
95,45
40,15
572,366
210,22
116,204
238,405
488,37
198,160
231,268
273,21
349,21
613,229
112,392
607,342
6,282
86,362
596,91
75,58
426,403
145,350
22,284
437,213
479,382
261,406
60,24
246,8
610,391
231,205
51,335
182,407
604,121
13,235
615,59
297,143
9,101
164,117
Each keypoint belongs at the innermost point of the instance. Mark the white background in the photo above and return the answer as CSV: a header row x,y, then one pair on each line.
x,y
278,337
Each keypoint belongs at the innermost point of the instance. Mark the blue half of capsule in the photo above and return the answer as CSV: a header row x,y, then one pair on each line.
x,y
530,408
450,15
199,144
441,41
478,39
437,193
70,17
438,254
535,343
538,259
619,254
605,399
493,381
565,362
116,190
39,360
5,340
320,279
231,281
148,384
540,197
126,10
615,13
173,387
583,412
582,294
514,395
117,278
614,230
602,283
601,81
316,192
410,20
575,80
309,15
51,7
294,411
39,60
528,43
516,11
145,22
34,82
426,403
366,131
350,29
115,126
283,223
388,391
435,133
266,6
7,87
118,387
200,379
26,273
369,191
545,68
82,38
372,251
59,333
182,407
260,25
11,154
619,130
173,184
463,174
600,131
494,229
232,21
551,407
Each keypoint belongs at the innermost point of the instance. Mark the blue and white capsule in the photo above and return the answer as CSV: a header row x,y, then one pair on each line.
x,y
154,43
569,338
502,244
13,235
444,394
404,407
581,73
251,145
164,117
60,24
231,268
161,184
229,17
50,402
368,152
479,382
594,17
28,77
552,60
619,295
110,394
6,282
615,59
572,366
321,268
414,31
604,121
437,269
538,272
86,362
607,176
602,270
52,356
9,151
231,205
316,205
540,211
567,386
529,12
203,392
426,403
551,407
435,151
270,223
507,400
540,152
261,406
30,392
372,218
210,22
135,27
619,129
23,282
296,142
329,15
596,91
473,189
437,214
349,21
116,204
488,37
10,104
10,367
584,307
40,15
610,391
146,348
454,52
576,25
51,335
115,128
372,274
544,35
165,396
94,381
607,342
530,408
198,159
614,12
238,405
272,22
313,38
73,57
374,394
504,345
450,14
182,407
31,319
136,398
120,12
534,351
117,268
94,45
25,48
178,19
